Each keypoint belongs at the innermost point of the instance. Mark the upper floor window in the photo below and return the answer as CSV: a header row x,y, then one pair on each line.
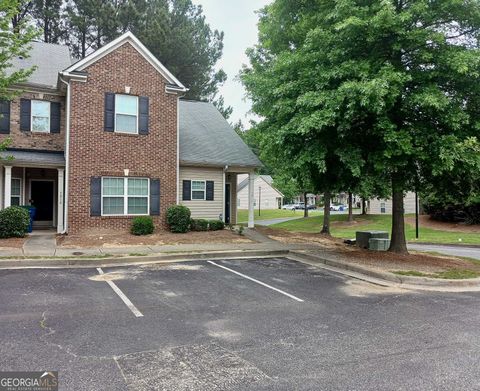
x,y
40,116
126,114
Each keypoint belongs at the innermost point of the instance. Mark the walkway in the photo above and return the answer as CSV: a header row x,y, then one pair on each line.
x,y
459,251
40,243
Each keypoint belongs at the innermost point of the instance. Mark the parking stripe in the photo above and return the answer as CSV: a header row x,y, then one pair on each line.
x,y
122,296
257,281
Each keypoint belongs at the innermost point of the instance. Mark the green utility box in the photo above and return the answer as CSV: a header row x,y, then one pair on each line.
x,y
378,244
363,237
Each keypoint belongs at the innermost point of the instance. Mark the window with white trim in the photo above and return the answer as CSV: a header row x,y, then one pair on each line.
x,y
126,114
383,208
125,196
198,190
16,192
40,113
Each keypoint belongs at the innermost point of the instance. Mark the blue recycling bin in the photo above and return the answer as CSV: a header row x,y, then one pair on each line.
x,y
32,211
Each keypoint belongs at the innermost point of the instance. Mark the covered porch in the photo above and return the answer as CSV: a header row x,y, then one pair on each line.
x,y
36,179
231,204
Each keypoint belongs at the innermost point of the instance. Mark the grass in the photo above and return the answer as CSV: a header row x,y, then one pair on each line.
x,y
452,274
377,222
268,214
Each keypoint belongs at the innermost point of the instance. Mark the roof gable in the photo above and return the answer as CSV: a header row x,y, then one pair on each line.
x,y
128,37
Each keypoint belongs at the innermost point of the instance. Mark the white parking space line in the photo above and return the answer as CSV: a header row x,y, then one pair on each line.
x,y
257,281
122,296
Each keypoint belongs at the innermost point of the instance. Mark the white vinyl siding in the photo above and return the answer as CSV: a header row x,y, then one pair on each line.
x,y
270,197
126,114
202,209
40,116
384,206
125,196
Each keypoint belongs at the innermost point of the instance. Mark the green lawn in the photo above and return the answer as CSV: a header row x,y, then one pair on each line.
x,y
377,222
268,214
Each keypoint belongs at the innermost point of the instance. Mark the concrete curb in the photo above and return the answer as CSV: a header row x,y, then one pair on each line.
x,y
390,278
135,260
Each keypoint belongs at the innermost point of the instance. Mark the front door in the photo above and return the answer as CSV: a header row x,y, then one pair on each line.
x,y
227,203
41,197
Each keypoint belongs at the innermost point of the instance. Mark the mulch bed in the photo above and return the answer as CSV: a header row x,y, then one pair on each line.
x,y
12,242
383,260
107,239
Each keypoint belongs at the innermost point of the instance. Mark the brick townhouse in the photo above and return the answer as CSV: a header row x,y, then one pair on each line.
x,y
98,141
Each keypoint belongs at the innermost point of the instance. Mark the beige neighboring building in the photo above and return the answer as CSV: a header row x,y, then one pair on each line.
x,y
384,206
264,192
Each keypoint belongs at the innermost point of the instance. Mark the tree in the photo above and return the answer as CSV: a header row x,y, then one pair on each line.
x,y
12,45
48,17
397,82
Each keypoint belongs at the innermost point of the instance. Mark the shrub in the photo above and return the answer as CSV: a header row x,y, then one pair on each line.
x,y
142,225
14,222
216,225
199,225
178,218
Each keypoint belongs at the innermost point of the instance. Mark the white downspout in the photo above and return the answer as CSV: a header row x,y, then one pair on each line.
x,y
67,158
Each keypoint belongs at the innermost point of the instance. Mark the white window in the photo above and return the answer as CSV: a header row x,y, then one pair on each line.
x,y
125,196
198,190
16,192
382,207
40,116
126,114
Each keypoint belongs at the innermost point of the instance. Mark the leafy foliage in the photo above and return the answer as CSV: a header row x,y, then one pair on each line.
x,y
142,225
199,225
12,45
178,218
368,92
14,222
216,225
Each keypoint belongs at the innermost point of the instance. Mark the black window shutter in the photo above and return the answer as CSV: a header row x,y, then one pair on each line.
x,y
210,190
25,111
109,112
54,117
154,197
187,191
4,117
143,112
95,196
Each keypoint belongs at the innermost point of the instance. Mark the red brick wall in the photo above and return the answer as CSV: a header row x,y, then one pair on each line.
x,y
35,140
94,152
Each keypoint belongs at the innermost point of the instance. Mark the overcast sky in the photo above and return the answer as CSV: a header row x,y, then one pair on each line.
x,y
238,20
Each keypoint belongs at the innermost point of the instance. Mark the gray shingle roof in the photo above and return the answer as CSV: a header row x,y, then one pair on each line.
x,y
207,138
49,58
266,178
34,157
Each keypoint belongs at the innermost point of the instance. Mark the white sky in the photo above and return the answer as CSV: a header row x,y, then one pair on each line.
x,y
238,20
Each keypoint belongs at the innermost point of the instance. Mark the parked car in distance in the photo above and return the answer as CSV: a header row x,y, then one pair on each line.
x,y
312,207
300,205
288,207
339,208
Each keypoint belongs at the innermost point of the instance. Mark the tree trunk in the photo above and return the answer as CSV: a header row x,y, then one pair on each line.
x,y
305,211
326,213
364,206
350,206
398,242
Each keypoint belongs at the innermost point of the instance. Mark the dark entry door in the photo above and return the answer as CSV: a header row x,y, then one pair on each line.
x,y
227,203
42,199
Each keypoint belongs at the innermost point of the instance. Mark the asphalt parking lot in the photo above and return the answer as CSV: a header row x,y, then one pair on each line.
x,y
258,324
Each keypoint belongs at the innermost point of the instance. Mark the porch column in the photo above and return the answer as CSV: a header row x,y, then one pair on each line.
x,y
1,187
7,194
251,198
60,201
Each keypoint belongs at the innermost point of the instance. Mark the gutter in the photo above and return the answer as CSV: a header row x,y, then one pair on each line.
x,y
67,157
